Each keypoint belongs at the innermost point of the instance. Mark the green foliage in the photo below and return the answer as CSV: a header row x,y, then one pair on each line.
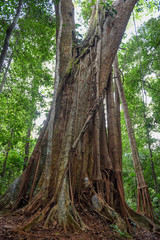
x,y
86,9
108,7
78,35
13,168
122,234
150,4
29,82
106,4
156,204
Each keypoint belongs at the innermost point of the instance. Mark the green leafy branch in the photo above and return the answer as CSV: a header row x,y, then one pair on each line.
x,y
108,7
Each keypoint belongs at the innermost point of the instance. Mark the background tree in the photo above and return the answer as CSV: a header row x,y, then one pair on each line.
x,y
138,80
143,197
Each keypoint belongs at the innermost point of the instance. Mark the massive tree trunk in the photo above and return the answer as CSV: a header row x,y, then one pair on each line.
x,y
143,197
74,159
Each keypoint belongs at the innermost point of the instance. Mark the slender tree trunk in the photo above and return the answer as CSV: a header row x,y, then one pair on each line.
x,y
8,66
153,169
143,197
8,34
27,148
151,159
5,74
118,117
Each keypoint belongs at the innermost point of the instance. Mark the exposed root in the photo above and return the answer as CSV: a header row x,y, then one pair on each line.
x,y
70,220
67,214
39,216
144,202
122,194
106,179
99,205
51,216
96,202
62,213
35,204
143,221
108,213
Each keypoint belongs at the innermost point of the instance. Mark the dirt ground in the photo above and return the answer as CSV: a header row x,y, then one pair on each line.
x,y
98,230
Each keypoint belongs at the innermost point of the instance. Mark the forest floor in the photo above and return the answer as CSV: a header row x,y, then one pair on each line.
x,y
98,230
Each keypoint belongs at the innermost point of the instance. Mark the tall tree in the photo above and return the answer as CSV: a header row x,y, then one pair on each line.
x,y
143,197
71,161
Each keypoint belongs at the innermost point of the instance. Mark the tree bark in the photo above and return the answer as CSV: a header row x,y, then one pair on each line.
x,y
118,117
27,148
9,33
